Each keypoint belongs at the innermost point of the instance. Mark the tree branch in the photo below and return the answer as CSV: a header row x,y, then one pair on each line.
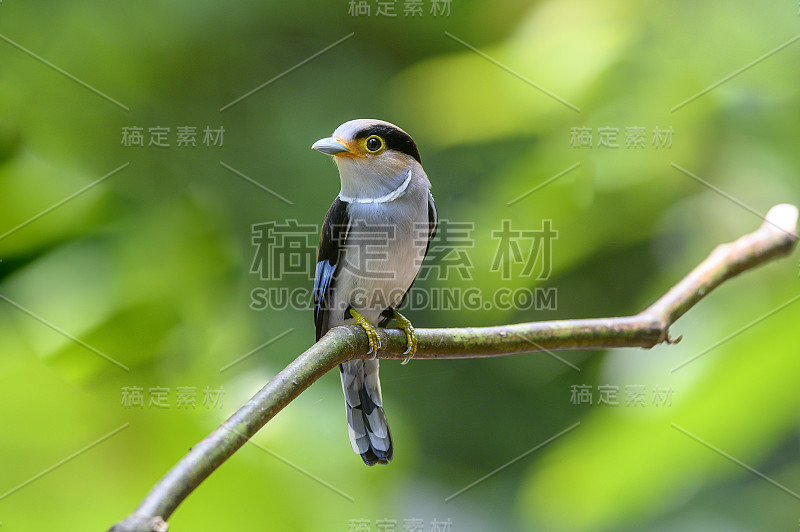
x,y
774,238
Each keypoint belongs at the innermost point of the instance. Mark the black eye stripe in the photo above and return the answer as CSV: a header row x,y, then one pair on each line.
x,y
394,139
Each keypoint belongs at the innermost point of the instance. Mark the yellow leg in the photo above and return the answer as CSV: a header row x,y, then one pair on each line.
x,y
372,333
411,335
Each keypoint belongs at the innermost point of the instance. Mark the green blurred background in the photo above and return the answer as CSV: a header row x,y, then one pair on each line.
x,y
151,266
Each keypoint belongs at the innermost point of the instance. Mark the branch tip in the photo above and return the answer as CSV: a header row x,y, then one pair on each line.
x,y
783,217
673,341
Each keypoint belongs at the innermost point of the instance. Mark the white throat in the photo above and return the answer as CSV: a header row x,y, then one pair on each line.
x,y
391,196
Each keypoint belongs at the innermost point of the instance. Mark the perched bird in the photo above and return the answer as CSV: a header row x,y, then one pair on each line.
x,y
371,247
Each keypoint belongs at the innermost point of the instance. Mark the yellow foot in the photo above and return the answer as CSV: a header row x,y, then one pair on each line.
x,y
411,335
372,333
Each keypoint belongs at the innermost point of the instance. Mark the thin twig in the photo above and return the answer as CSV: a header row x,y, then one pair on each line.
x,y
775,237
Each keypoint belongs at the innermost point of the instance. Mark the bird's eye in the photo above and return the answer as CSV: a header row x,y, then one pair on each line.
x,y
374,144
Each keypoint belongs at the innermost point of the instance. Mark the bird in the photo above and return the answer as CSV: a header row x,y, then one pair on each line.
x,y
372,243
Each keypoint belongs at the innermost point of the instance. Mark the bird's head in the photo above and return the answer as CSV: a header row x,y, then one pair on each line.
x,y
374,157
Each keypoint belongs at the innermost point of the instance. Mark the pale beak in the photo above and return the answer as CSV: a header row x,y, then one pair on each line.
x,y
330,146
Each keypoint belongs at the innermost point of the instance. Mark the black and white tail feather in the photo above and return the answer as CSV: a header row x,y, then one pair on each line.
x,y
366,421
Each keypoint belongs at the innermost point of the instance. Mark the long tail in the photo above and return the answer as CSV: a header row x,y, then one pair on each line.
x,y
366,422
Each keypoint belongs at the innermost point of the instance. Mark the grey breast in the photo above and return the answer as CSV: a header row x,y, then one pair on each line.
x,y
385,247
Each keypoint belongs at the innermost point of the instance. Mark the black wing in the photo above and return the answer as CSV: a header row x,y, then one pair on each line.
x,y
433,223
331,240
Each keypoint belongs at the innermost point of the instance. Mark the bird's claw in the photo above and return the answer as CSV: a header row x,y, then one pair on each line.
x,y
372,334
411,336
375,350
